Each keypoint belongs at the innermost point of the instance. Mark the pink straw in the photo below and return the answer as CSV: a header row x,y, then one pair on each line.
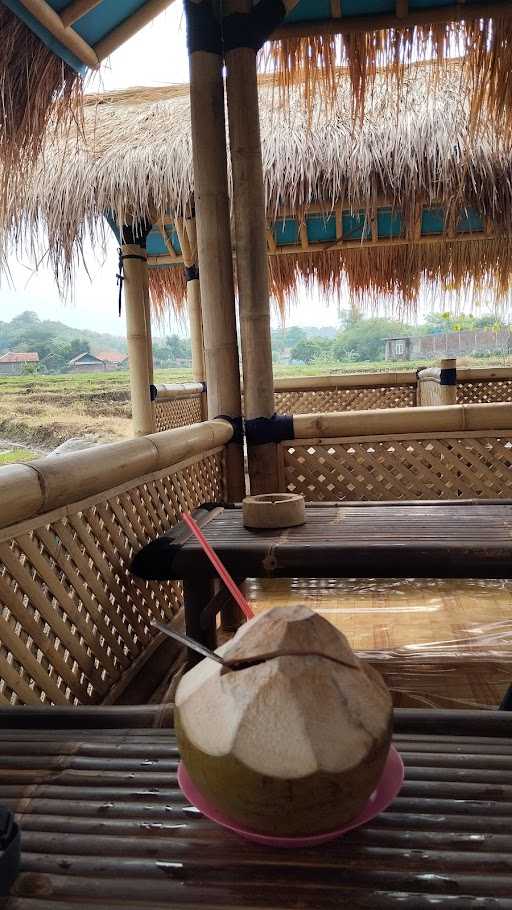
x,y
221,569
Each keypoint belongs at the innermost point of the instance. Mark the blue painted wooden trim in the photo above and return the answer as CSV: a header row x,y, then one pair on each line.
x,y
46,37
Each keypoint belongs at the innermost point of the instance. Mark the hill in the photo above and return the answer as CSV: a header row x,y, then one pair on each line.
x,y
27,332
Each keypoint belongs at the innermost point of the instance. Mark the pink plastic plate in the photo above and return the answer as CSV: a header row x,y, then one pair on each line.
x,y
387,788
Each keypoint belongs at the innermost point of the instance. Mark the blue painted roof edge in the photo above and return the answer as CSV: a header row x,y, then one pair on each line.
x,y
46,37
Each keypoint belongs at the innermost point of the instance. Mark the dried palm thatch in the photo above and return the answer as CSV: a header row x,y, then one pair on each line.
x,y
168,290
483,43
133,158
34,86
477,268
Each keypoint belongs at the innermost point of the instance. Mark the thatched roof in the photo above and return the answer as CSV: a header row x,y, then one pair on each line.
x,y
134,159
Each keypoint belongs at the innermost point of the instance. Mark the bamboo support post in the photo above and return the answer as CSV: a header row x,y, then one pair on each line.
x,y
438,385
187,236
149,330
214,241
251,257
135,283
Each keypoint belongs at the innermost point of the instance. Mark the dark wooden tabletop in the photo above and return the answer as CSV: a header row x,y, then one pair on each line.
x,y
105,826
441,539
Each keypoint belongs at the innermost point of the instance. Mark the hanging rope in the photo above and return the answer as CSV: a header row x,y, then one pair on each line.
x,y
120,276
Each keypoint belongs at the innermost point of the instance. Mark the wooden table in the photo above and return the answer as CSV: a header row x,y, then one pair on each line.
x,y
105,826
417,539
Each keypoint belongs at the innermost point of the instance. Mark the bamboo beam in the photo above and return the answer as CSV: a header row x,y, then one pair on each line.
x,y
70,39
336,8
251,257
56,481
130,27
345,381
134,287
75,10
214,250
349,25
460,417
401,8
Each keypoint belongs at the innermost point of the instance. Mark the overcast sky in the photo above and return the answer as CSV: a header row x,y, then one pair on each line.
x,y
155,56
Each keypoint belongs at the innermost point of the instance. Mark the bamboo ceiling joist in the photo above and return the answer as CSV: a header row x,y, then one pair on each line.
x,y
320,247
60,26
68,37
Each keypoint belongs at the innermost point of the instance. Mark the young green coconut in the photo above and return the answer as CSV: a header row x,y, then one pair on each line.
x,y
295,744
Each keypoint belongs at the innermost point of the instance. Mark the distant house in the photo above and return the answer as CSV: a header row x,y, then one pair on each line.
x,y
97,363
13,363
449,344
113,360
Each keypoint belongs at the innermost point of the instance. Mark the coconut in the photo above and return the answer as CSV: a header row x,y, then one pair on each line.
x,y
294,744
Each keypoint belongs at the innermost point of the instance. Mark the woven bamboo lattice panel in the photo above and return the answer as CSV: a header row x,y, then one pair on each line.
x,y
449,466
323,401
484,391
74,622
180,412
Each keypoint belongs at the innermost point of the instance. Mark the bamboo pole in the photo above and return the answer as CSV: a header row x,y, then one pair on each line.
x,y
149,330
463,417
134,286
187,235
58,480
345,381
431,390
50,20
251,257
214,250
76,9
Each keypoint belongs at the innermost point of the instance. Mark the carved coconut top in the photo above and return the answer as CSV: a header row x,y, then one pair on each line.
x,y
289,716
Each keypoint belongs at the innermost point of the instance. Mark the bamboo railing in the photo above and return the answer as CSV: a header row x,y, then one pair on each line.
x,y
180,404
75,625
453,452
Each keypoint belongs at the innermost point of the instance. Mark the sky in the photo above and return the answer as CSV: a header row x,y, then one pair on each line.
x,y
156,56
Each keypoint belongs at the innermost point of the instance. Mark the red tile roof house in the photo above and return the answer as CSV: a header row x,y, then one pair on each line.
x,y
94,363
13,363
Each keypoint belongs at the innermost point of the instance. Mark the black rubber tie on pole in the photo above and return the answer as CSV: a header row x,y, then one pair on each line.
x,y
203,29
254,28
120,276
264,430
238,427
448,376
191,272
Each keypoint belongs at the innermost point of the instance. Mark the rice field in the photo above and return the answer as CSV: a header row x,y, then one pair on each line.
x,y
40,412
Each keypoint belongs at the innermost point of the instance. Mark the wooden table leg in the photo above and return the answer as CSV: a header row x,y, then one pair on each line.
x,y
197,593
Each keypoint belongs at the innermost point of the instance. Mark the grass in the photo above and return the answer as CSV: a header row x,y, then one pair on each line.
x,y
17,455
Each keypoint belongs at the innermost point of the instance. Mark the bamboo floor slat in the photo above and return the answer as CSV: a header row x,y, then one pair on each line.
x,y
124,836
439,642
